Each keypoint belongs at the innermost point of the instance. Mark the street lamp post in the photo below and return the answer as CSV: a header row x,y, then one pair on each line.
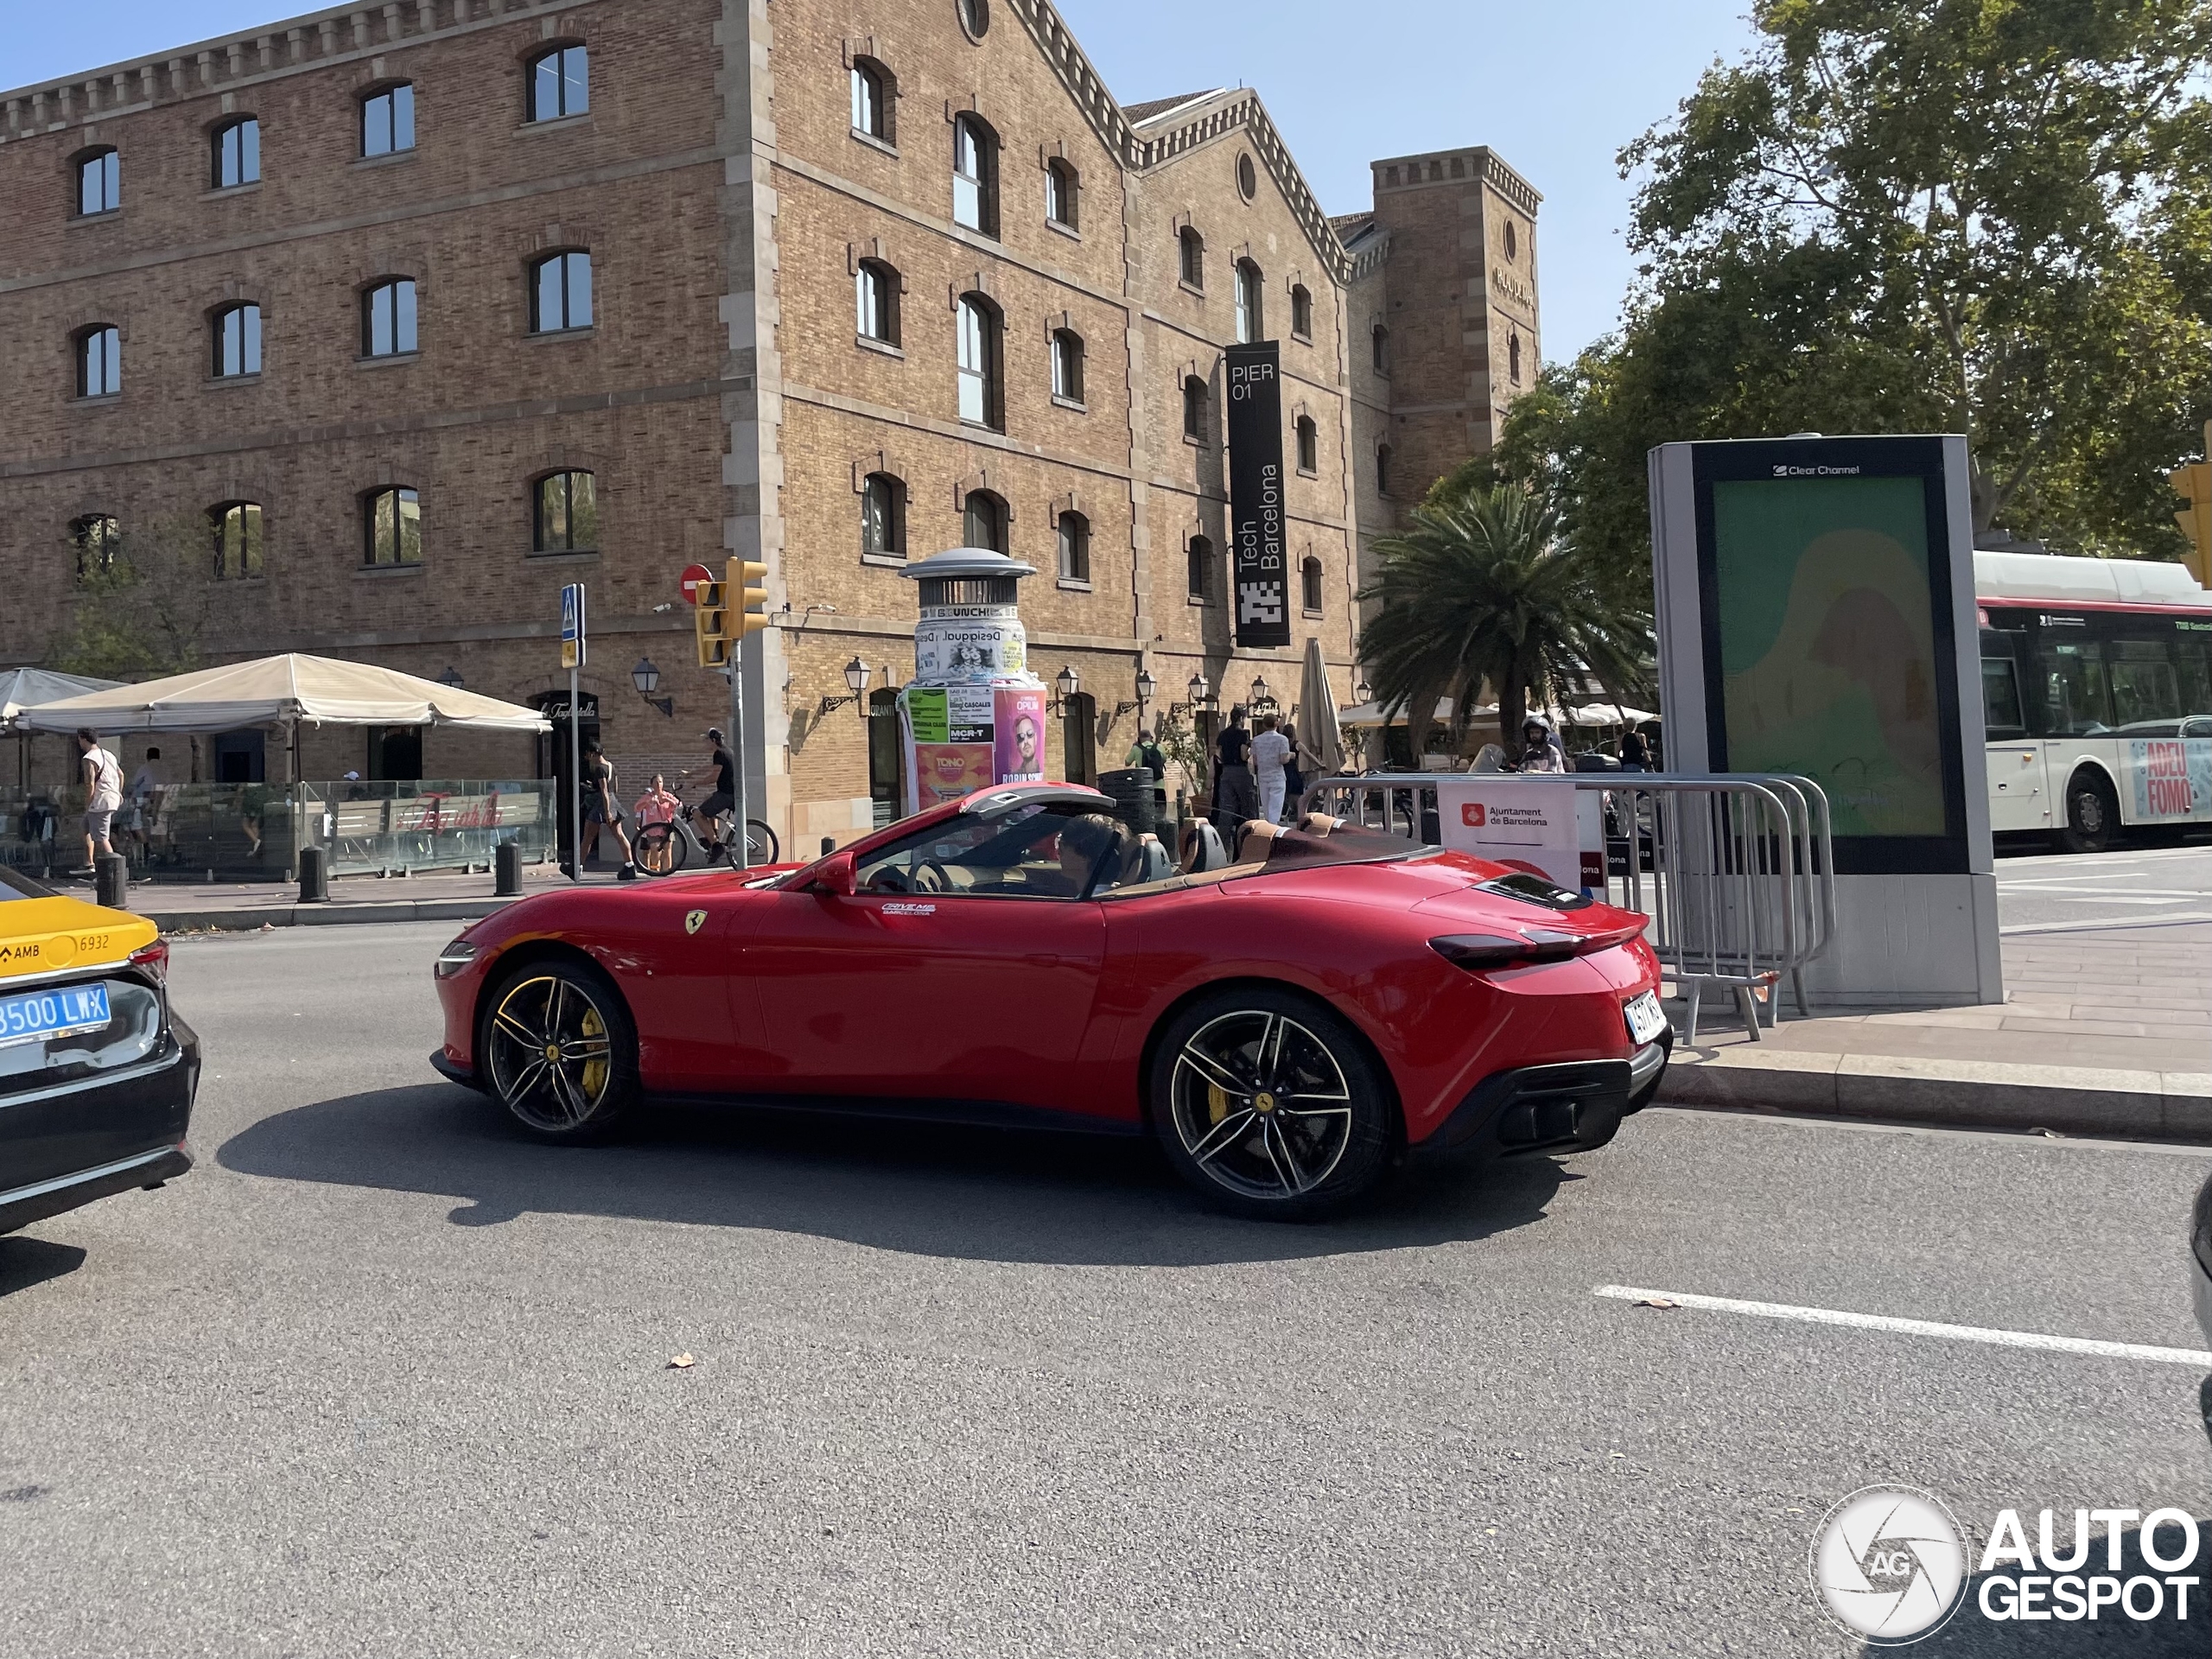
x,y
857,676
647,678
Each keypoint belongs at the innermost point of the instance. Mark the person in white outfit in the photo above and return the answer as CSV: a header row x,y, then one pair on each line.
x,y
103,779
1270,750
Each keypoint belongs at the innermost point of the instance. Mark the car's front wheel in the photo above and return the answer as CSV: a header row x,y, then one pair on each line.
x,y
1269,1104
560,1050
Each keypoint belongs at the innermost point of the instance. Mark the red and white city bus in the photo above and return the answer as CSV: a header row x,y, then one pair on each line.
x,y
2097,680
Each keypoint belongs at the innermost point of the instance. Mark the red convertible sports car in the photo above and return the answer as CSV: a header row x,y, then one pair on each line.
x,y
1291,1021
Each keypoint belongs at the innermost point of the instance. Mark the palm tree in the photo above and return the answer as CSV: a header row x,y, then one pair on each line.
x,y
1482,587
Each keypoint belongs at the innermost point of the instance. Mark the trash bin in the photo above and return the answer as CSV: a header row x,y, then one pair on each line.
x,y
1132,791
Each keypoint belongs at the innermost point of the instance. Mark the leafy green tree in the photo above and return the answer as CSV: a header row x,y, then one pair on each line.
x,y
144,604
1481,590
1992,217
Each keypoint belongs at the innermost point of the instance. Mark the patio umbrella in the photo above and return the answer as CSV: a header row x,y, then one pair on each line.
x,y
287,690
1317,714
21,686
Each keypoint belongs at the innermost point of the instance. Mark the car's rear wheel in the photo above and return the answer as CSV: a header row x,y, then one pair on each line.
x,y
560,1050
1270,1105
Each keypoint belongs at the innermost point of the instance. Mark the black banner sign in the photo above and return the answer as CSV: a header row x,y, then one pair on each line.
x,y
1256,495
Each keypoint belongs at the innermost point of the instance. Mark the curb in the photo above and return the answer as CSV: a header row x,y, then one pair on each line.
x,y
1959,1094
254,920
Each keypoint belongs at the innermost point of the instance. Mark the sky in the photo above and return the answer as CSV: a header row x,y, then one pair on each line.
x,y
1555,86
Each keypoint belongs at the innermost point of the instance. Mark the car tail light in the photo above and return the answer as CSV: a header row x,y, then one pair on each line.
x,y
154,958
1527,946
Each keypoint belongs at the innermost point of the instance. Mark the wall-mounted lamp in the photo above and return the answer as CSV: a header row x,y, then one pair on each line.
x,y
1065,684
857,676
451,679
647,678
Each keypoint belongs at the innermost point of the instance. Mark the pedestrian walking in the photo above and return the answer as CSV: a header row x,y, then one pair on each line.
x,y
603,811
1634,753
656,810
1293,769
1236,797
102,774
1147,753
1270,757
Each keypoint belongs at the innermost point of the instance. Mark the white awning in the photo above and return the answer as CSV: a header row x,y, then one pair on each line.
x,y
280,691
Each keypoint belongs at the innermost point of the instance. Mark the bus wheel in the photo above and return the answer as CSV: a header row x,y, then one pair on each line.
x,y
2092,815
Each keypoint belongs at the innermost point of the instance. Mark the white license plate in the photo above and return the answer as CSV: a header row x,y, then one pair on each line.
x,y
1645,1021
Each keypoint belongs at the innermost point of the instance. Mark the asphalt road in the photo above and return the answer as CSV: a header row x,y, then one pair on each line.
x,y
381,1378
2124,887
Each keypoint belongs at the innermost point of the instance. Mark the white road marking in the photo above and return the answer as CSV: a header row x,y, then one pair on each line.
x,y
1915,1327
2094,926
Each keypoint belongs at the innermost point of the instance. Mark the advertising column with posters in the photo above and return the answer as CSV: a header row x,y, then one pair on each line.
x,y
1816,617
973,715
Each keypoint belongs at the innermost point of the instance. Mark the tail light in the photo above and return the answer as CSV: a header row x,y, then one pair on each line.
x,y
154,958
1527,946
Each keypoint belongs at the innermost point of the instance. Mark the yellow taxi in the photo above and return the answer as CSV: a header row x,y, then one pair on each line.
x,y
97,1075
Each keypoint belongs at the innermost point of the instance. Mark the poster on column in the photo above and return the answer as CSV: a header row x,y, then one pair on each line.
x,y
947,761
1019,721
1551,829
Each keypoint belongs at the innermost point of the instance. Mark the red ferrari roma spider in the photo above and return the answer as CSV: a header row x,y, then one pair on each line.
x,y
1290,1024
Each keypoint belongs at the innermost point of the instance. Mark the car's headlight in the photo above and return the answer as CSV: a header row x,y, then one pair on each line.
x,y
454,958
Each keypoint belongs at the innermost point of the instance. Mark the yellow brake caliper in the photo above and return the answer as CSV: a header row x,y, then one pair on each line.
x,y
595,1071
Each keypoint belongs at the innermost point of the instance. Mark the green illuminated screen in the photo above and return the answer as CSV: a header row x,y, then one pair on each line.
x,y
1827,649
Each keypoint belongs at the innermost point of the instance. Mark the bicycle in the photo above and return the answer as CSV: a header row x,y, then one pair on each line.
x,y
679,841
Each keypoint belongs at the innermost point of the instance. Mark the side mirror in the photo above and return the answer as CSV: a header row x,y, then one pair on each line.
x,y
835,874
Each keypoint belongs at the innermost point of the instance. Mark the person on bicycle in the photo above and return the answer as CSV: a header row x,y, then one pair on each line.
x,y
725,792
656,810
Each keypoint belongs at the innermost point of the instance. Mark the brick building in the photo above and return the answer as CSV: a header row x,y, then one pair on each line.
x,y
421,310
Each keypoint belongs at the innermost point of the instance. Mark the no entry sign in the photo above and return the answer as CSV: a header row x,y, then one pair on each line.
x,y
693,576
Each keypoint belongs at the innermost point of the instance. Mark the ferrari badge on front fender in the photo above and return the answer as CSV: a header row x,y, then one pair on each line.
x,y
693,920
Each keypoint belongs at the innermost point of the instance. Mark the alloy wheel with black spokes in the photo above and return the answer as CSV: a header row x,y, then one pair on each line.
x,y
559,1050
1269,1104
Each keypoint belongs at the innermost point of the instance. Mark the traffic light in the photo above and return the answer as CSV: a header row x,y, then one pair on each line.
x,y
748,583
2194,483
710,623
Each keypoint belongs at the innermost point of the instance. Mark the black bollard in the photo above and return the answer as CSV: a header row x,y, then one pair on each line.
x,y
111,880
506,869
314,875
829,845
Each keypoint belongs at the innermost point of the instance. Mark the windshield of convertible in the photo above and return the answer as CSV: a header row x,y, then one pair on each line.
x,y
1071,850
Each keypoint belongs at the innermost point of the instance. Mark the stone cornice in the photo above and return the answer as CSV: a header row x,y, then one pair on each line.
x,y
1243,109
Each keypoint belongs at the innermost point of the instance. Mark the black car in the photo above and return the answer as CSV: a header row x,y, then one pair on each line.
x,y
97,1075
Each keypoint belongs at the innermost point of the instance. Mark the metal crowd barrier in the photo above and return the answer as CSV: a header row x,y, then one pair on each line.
x,y
1737,871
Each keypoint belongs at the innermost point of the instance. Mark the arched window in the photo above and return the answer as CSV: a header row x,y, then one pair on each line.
x,y
1310,585
95,537
974,174
872,95
875,301
564,516
1301,312
1060,187
982,401
237,154
235,529
99,360
237,340
1198,560
1067,364
559,83
1190,257
1075,547
388,121
984,521
1309,445
388,318
1251,325
560,293
99,181
1195,399
1513,356
391,527
1382,469
883,516
1379,344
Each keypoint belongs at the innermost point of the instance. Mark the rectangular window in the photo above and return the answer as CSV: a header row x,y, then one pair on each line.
x,y
237,154
560,84
238,541
393,526
568,513
560,297
388,122
2076,697
99,363
238,342
389,323
99,183
2143,686
2000,698
866,118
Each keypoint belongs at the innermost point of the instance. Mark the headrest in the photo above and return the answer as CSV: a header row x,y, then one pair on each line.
x,y
1202,850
